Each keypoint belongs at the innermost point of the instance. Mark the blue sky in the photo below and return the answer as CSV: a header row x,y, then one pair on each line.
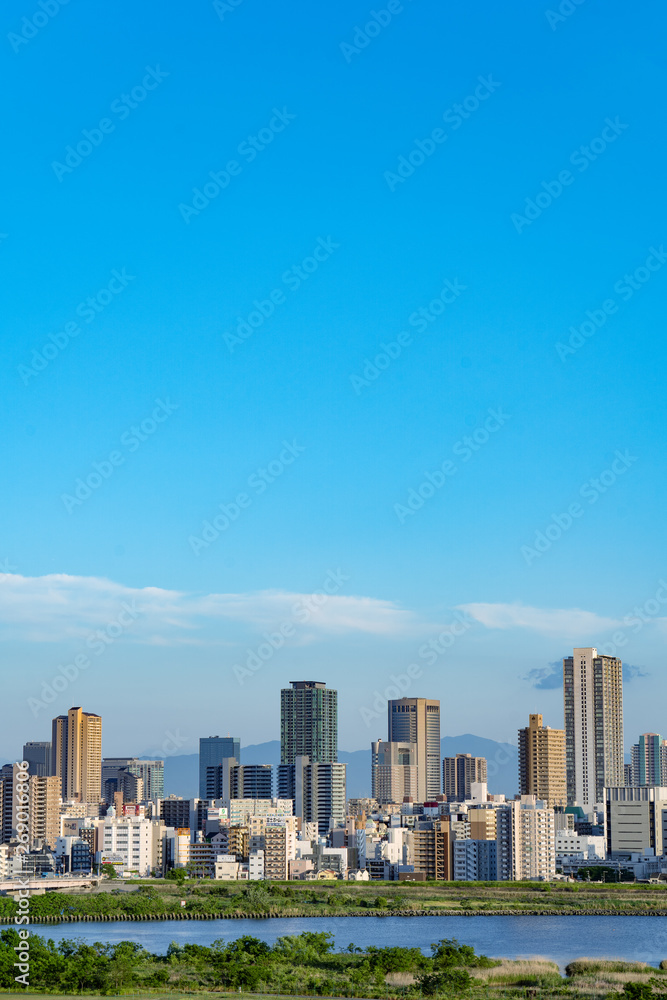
x,y
451,193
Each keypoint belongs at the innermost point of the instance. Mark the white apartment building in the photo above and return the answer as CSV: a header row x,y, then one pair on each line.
x,y
134,838
593,701
533,839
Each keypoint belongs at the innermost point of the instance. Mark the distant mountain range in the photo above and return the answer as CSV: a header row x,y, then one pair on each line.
x,y
181,773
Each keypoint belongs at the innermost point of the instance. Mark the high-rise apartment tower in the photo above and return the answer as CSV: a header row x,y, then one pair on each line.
x,y
593,697
542,762
649,761
308,723
76,755
417,720
459,773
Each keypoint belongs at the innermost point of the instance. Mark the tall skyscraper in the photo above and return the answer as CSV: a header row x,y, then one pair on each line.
x,y
459,773
542,762
76,748
649,761
593,698
38,756
308,723
309,773
417,720
212,751
393,771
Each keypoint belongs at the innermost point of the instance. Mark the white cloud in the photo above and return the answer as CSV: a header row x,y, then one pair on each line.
x,y
581,628
58,606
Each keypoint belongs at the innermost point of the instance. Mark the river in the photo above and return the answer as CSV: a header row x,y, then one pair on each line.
x,y
560,939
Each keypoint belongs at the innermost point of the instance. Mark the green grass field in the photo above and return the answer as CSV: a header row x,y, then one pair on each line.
x,y
206,898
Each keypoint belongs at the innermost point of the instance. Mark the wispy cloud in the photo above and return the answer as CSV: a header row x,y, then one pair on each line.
x,y
546,678
572,623
58,606
551,677
630,672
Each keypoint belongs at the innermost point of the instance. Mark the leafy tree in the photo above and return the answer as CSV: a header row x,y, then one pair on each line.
x,y
449,952
176,875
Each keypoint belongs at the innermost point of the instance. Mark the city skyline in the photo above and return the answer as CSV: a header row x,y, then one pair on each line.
x,y
412,759
540,687
177,744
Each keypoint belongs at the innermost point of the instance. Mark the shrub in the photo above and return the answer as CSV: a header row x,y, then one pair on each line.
x,y
638,991
457,980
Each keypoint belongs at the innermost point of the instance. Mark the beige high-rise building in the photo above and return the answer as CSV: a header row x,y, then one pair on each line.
x,y
77,755
417,720
393,771
44,809
593,697
542,762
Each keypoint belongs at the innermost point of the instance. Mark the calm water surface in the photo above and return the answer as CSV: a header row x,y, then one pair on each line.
x,y
560,939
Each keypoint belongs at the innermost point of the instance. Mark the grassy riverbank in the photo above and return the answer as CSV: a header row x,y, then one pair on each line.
x,y
203,899
307,965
